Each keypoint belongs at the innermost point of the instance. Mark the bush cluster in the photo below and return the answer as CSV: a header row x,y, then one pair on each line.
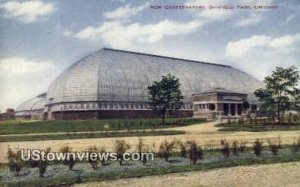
x,y
166,149
195,152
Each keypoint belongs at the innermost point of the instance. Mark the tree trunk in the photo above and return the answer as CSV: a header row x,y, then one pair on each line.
x,y
163,119
278,113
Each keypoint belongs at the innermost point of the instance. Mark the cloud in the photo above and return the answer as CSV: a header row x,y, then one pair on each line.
x,y
124,12
252,20
23,78
285,41
27,12
117,34
260,54
242,46
20,66
120,33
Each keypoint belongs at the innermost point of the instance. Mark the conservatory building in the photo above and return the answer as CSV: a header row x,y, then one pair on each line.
x,y
113,83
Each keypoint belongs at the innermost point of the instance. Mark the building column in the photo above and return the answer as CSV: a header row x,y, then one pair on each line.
x,y
229,109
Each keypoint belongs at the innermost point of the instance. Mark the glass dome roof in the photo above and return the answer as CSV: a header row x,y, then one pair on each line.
x,y
36,103
123,76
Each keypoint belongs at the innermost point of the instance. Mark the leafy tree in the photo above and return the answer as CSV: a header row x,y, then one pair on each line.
x,y
279,90
43,164
71,160
246,105
120,148
166,149
257,147
296,100
15,163
165,95
196,152
212,106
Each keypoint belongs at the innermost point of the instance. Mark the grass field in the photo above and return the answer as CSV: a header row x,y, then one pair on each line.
x,y
91,125
17,138
258,127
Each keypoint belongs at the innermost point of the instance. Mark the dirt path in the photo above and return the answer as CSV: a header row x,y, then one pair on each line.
x,y
283,174
205,134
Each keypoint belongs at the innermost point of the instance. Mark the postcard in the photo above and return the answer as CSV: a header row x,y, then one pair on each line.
x,y
149,93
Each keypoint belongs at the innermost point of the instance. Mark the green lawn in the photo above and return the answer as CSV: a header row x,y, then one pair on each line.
x,y
87,135
258,127
91,125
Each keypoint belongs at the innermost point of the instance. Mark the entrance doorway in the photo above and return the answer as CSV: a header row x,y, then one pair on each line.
x,y
226,109
232,109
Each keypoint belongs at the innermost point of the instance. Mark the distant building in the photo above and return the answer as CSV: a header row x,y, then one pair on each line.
x,y
8,115
218,101
113,84
32,108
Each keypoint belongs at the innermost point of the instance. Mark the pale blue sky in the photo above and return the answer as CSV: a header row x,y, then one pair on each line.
x,y
41,38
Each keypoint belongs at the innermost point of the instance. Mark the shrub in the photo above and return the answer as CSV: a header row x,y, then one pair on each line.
x,y
153,149
70,160
140,146
296,146
235,147
141,149
32,163
182,148
93,161
145,157
279,141
195,152
295,117
102,151
257,148
120,148
225,148
273,147
15,162
43,164
166,149
242,146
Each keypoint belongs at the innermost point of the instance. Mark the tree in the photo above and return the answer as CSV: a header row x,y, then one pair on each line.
x,y
279,90
212,107
165,96
296,100
120,148
246,105
196,152
166,149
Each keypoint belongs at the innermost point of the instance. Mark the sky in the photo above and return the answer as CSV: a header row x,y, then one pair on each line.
x,y
39,39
